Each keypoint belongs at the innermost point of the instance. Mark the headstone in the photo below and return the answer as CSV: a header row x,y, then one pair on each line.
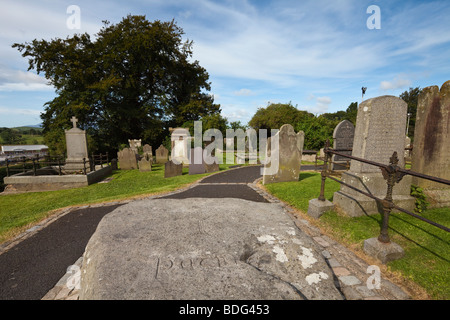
x,y
380,130
114,164
342,139
407,151
287,157
180,145
172,169
162,155
147,149
127,159
145,164
431,152
77,149
197,163
135,144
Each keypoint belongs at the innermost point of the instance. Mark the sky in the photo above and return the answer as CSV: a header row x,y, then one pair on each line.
x,y
315,54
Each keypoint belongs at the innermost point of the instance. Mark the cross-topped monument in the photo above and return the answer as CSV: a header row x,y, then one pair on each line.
x,y
77,149
74,121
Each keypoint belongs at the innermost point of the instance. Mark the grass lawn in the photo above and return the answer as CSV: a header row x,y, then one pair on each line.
x,y
20,211
427,248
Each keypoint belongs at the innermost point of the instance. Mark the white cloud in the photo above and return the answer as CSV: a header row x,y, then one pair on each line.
x,y
397,83
19,111
244,92
17,80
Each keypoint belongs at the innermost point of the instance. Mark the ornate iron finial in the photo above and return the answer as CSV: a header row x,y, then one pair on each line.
x,y
394,159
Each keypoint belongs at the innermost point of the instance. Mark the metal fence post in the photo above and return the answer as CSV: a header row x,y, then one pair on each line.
x,y
393,176
324,172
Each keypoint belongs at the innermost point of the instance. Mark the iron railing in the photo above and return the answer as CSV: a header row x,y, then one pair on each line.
x,y
31,166
392,173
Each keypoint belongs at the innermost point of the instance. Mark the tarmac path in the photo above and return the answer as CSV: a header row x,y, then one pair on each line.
x,y
34,267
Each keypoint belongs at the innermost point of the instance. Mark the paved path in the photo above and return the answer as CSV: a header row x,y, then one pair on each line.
x,y
31,266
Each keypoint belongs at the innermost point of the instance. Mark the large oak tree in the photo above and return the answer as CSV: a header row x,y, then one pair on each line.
x,y
132,81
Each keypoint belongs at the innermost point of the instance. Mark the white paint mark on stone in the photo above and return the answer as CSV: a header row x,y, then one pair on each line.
x,y
314,278
281,256
365,109
266,238
307,258
291,232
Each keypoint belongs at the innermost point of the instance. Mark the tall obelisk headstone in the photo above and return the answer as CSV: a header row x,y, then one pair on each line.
x,y
77,149
380,130
431,151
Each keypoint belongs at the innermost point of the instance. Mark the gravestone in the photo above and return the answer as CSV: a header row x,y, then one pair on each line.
x,y
286,157
380,130
135,144
77,149
197,163
407,146
162,155
145,164
180,145
127,159
147,149
172,169
342,139
431,152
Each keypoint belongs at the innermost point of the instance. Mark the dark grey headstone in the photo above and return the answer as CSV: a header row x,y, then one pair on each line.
x,y
343,139
172,170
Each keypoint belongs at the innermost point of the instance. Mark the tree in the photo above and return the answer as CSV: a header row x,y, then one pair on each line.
x,y
134,81
411,98
276,115
349,114
317,130
10,136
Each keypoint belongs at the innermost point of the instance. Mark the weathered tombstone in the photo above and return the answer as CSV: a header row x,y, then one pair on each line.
x,y
147,149
162,155
114,164
77,149
286,156
180,145
135,144
172,169
127,159
145,164
380,131
342,139
407,146
431,151
197,163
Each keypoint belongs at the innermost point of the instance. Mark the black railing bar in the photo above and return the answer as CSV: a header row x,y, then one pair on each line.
x,y
393,205
412,173
359,159
422,218
356,189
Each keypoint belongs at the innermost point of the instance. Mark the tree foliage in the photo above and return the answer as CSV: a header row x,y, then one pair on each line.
x,y
277,114
411,98
132,82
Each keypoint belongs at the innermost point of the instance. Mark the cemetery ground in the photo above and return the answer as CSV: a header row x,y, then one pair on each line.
x,y
423,270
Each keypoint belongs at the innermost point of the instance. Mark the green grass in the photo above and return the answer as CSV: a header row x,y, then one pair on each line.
x,y
427,248
19,211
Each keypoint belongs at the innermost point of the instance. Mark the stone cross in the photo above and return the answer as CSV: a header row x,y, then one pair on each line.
x,y
74,121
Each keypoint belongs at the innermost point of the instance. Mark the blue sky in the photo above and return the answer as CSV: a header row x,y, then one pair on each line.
x,y
315,54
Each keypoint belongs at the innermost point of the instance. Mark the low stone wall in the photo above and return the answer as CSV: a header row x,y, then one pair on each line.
x,y
23,183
